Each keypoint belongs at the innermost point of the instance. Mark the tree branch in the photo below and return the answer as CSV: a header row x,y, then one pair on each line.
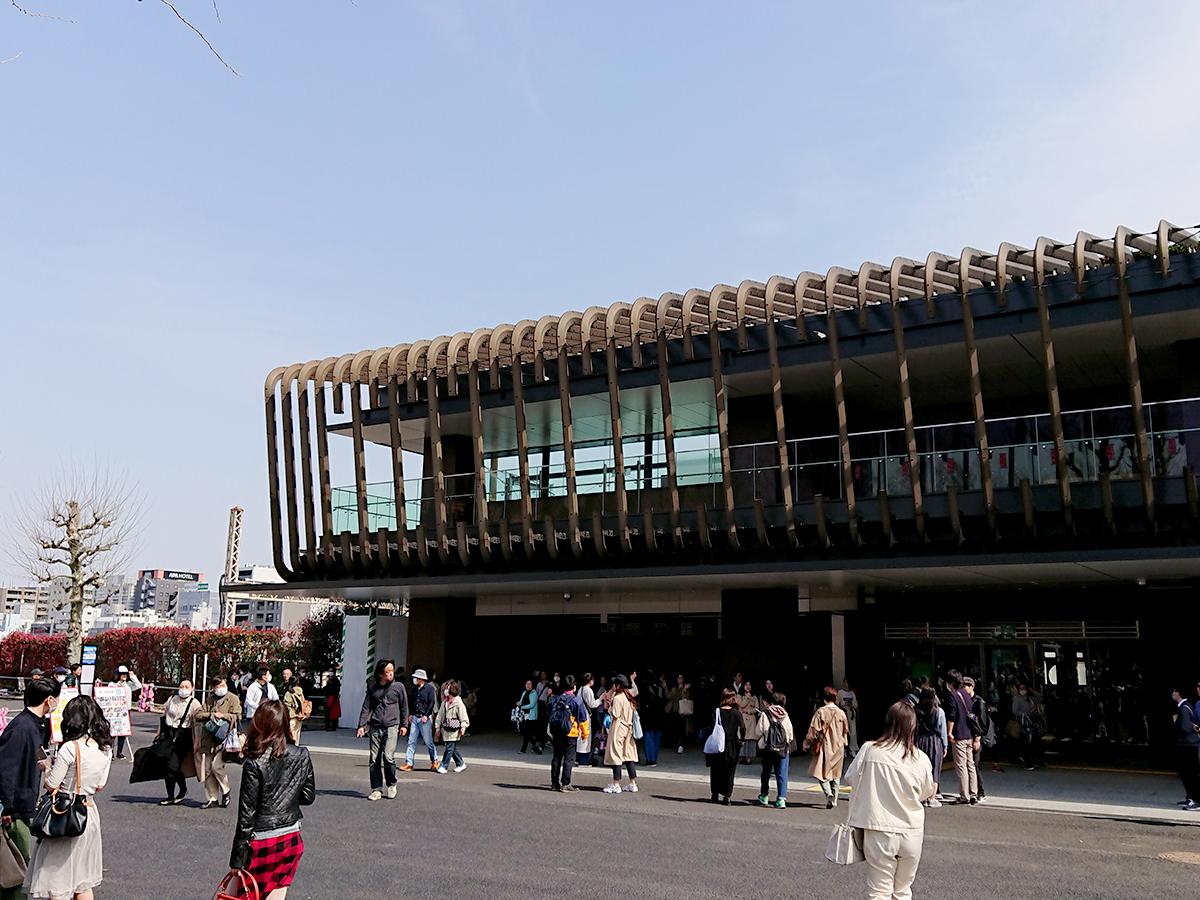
x,y
200,34
37,15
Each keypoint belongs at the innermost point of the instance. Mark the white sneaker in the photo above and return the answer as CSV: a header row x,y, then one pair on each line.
x,y
630,788
612,789
441,770
375,795
935,803
461,768
391,792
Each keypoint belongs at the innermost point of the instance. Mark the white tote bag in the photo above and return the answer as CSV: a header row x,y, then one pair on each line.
x,y
845,845
716,741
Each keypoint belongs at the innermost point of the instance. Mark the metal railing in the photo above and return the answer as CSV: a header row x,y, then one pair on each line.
x,y
1098,441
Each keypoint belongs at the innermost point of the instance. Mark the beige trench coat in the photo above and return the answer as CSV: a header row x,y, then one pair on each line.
x,y
748,704
622,748
827,738
206,746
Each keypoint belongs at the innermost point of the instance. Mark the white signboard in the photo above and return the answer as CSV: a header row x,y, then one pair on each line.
x,y
114,703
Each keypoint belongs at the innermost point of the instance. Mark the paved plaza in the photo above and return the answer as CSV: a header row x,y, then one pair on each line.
x,y
496,831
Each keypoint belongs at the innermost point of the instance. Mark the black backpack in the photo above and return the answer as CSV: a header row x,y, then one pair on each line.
x,y
776,739
560,716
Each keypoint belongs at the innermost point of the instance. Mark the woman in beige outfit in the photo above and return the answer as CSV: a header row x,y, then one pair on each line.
x,y
225,708
622,748
748,706
891,778
826,737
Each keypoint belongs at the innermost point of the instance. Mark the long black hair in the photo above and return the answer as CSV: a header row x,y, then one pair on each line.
x,y
81,719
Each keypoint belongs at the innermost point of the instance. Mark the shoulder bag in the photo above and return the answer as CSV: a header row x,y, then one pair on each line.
x,y
12,863
451,723
218,729
60,814
845,845
716,741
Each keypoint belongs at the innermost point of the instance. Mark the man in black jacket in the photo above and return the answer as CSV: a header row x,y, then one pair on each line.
x,y
1187,750
424,708
383,716
23,764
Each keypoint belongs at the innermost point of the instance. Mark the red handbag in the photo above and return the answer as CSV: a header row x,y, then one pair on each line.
x,y
238,885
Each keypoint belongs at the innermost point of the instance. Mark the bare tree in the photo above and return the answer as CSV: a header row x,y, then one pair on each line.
x,y
76,533
38,14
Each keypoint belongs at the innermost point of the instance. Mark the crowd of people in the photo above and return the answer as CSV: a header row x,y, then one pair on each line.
x,y
611,721
590,722
244,720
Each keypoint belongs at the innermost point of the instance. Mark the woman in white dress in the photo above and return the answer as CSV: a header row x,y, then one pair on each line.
x,y
69,868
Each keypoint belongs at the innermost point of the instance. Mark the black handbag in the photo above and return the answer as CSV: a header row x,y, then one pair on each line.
x,y
60,814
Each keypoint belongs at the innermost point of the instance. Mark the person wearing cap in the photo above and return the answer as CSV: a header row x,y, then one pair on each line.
x,y
60,674
965,732
621,749
424,707
130,683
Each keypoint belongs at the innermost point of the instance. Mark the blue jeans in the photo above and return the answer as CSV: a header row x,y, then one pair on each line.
x,y
451,753
423,730
652,741
777,764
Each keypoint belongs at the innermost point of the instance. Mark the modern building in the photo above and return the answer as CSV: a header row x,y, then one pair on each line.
x,y
976,460
107,616
197,609
30,602
157,589
260,612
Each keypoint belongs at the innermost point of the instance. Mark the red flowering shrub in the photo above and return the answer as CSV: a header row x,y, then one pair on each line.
x,y
165,655
21,653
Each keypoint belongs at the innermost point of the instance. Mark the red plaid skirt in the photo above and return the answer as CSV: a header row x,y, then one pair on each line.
x,y
273,861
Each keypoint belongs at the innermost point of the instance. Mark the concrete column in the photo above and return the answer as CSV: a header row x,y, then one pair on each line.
x,y
837,635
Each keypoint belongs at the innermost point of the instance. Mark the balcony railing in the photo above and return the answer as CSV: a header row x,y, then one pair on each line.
x,y
1098,441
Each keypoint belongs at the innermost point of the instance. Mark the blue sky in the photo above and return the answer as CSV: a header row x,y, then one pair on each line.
x,y
387,171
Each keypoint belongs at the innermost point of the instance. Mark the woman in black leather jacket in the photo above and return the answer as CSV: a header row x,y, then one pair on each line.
x,y
277,779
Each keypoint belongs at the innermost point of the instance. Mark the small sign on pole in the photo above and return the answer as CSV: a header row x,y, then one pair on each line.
x,y
87,677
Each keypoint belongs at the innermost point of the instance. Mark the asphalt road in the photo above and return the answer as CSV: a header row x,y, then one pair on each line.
x,y
500,833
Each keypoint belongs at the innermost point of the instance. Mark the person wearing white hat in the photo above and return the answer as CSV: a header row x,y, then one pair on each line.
x,y
130,683
422,710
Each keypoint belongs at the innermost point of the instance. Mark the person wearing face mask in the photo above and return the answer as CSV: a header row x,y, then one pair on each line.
x,y
174,742
223,708
259,691
60,674
23,764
